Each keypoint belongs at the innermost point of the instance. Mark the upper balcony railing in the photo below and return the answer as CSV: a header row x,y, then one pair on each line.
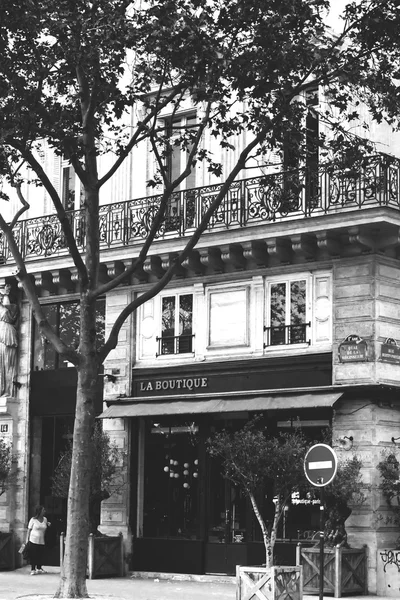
x,y
277,197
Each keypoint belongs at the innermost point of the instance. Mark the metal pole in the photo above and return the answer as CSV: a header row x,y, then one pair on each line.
x,y
321,543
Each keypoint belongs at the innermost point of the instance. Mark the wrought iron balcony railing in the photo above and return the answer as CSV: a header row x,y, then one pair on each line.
x,y
287,335
178,344
281,196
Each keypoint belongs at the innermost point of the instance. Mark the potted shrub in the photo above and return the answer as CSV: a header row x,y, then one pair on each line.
x,y
107,462
257,462
105,556
344,567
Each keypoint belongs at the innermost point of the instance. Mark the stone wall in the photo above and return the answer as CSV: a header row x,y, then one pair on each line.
x,y
115,517
14,511
367,304
372,423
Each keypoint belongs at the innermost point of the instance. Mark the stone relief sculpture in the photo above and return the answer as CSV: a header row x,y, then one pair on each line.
x,y
8,342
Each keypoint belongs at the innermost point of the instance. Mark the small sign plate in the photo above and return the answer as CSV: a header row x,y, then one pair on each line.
x,y
390,352
353,349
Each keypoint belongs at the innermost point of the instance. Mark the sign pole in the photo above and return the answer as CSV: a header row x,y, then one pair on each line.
x,y
320,466
321,542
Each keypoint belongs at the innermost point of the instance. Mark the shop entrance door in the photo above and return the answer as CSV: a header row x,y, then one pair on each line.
x,y
226,536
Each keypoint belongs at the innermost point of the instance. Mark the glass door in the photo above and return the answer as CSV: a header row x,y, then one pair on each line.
x,y
226,523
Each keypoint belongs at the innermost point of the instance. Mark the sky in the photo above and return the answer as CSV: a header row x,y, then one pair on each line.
x,y
333,19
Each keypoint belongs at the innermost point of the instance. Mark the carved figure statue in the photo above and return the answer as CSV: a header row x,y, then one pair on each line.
x,y
8,343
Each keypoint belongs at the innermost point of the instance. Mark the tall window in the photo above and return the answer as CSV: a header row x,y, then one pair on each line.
x,y
301,149
64,318
68,188
68,192
287,318
177,158
176,324
312,147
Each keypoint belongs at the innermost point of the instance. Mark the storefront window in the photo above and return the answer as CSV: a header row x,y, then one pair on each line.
x,y
227,509
171,483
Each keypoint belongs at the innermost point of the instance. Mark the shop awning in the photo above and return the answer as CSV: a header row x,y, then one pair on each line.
x,y
221,405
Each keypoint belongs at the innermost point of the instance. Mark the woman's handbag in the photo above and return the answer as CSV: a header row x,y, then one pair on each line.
x,y
26,551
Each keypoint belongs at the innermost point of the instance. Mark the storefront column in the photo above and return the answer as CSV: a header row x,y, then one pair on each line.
x,y
115,510
140,479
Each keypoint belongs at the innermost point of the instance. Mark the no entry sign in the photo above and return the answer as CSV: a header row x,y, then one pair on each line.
x,y
320,465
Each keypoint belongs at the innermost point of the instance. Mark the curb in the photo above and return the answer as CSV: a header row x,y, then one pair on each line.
x,y
182,577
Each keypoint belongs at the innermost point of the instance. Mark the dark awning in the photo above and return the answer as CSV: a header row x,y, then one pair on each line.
x,y
220,405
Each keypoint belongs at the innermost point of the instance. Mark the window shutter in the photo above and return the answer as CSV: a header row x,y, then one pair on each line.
x,y
147,330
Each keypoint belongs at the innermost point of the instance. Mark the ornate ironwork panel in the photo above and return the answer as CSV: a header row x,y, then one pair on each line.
x,y
393,195
44,237
190,209
207,195
141,214
112,223
274,196
79,227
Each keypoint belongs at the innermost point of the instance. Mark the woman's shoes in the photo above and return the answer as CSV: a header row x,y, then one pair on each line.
x,y
38,571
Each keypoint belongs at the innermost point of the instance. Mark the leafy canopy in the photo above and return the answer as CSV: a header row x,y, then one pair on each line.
x,y
70,72
255,460
107,463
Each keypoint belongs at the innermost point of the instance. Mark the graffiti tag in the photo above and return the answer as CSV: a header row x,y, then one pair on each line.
x,y
390,557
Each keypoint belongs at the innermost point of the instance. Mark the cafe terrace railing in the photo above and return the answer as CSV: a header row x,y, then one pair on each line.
x,y
276,197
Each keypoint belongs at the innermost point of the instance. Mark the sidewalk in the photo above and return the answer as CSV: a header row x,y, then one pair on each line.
x,y
155,586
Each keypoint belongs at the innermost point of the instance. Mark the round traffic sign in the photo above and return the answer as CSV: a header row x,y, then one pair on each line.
x,y
320,465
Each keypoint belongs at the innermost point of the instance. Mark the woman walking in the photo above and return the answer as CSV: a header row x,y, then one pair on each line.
x,y
35,535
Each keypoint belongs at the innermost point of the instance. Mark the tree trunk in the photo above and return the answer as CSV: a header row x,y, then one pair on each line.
x,y
269,547
73,573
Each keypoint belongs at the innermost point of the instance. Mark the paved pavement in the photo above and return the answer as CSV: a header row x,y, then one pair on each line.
x,y
19,583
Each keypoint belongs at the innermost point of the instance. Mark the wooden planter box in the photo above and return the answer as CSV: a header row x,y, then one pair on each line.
x,y
105,556
345,570
7,554
273,583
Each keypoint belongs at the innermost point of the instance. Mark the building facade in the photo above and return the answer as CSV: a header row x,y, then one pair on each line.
x,y
287,308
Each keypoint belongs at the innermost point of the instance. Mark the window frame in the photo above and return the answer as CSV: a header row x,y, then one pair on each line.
x,y
67,175
169,124
176,294
287,280
35,335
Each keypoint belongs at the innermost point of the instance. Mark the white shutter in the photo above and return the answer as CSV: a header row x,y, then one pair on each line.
x,y
147,330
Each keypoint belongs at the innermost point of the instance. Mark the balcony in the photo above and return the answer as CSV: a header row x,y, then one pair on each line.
x,y
178,344
287,335
280,197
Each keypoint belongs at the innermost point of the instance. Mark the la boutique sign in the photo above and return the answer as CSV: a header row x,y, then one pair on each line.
x,y
187,383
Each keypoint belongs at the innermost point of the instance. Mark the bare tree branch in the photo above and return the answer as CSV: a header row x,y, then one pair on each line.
x,y
61,214
112,340
24,208
170,187
141,127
